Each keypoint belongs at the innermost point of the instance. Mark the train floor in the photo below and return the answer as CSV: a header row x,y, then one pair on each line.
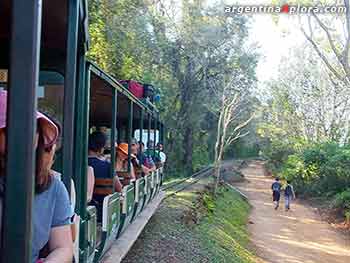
x,y
296,236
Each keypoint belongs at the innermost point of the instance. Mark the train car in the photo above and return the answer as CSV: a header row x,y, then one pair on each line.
x,y
111,105
43,67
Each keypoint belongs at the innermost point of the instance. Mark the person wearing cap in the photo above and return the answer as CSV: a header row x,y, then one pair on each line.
x,y
137,163
121,163
51,216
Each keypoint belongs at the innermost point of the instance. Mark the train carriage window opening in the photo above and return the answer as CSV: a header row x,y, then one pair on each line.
x,y
51,102
102,117
130,135
143,135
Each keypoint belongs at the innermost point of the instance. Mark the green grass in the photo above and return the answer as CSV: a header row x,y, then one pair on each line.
x,y
217,233
223,232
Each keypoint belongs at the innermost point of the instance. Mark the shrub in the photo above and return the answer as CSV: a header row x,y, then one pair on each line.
x,y
319,170
342,200
209,202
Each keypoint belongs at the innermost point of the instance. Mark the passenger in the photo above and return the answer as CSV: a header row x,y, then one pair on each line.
x,y
151,152
161,153
90,183
121,164
59,175
52,212
101,167
147,161
135,148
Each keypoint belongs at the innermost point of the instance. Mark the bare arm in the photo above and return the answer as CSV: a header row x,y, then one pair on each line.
x,y
118,185
61,245
145,169
132,172
90,183
153,168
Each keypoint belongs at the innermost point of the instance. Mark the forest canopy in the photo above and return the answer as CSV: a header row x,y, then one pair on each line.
x,y
204,67
188,51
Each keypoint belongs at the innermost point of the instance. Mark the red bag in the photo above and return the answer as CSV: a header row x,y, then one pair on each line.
x,y
136,89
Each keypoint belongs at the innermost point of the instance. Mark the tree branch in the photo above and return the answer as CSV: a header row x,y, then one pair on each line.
x,y
322,56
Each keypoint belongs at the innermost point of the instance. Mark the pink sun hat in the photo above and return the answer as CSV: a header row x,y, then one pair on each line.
x,y
50,130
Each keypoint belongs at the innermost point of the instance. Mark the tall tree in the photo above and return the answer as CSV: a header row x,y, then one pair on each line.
x,y
180,47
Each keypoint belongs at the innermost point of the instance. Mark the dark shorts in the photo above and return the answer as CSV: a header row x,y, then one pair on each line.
x,y
276,196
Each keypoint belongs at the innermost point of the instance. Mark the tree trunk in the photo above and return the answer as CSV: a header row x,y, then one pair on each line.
x,y
217,166
188,150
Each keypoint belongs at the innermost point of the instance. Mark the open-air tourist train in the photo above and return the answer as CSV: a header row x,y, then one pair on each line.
x,y
43,66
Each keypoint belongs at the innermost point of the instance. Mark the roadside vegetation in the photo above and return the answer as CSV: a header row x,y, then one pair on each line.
x,y
304,121
223,231
193,226
316,170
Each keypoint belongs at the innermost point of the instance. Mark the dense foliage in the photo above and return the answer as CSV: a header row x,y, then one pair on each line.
x,y
318,170
304,122
185,49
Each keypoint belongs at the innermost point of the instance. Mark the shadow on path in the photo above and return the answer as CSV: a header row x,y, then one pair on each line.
x,y
297,236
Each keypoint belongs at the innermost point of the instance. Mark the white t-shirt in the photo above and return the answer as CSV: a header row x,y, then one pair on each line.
x,y
162,157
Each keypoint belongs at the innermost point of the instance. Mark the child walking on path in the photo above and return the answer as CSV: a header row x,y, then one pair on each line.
x,y
289,195
276,192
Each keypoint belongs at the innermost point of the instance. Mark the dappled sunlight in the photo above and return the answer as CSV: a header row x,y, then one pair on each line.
x,y
302,220
329,248
268,204
296,236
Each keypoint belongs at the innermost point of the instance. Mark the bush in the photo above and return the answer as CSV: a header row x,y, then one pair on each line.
x,y
209,202
319,170
342,200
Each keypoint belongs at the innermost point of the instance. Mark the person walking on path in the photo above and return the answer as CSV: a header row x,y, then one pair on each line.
x,y
276,192
289,195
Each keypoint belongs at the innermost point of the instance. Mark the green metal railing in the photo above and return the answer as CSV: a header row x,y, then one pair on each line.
x,y
23,80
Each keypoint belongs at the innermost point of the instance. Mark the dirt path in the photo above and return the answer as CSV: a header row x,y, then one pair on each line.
x,y
297,236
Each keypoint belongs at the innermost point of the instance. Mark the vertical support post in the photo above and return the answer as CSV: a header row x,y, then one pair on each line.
x,y
165,135
158,129
161,133
21,129
81,149
86,121
69,92
154,134
113,129
149,130
131,117
80,153
141,132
